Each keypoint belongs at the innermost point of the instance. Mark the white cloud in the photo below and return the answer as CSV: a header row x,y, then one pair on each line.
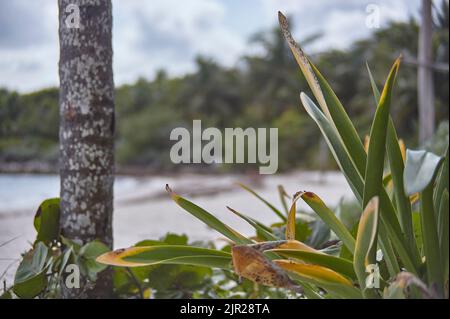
x,y
168,34
340,22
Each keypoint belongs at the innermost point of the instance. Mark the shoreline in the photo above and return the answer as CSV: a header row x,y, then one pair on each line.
x,y
143,209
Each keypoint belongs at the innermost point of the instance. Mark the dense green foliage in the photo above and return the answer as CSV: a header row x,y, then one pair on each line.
x,y
261,91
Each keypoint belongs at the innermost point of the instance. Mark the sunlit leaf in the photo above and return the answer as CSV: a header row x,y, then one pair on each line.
x,y
337,264
317,273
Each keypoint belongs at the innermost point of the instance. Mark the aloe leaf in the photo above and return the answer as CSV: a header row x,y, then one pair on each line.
x,y
356,183
377,146
273,208
335,284
396,158
365,241
314,271
319,207
378,133
333,140
208,218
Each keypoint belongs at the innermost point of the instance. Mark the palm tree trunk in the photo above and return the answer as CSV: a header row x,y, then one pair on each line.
x,y
86,130
425,85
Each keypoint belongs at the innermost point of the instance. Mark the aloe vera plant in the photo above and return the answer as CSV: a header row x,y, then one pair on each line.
x,y
399,247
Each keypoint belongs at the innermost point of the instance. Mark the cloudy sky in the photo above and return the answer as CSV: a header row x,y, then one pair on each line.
x,y
167,34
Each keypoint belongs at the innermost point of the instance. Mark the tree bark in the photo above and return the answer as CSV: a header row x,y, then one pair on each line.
x,y
86,130
425,85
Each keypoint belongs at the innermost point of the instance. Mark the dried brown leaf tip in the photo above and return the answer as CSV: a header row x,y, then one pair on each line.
x,y
249,262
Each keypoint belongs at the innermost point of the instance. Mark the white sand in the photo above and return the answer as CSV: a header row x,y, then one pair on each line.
x,y
144,211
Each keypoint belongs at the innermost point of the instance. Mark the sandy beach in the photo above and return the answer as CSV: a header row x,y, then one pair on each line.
x,y
143,210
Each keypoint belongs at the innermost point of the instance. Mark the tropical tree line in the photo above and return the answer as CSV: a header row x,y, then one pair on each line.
x,y
260,91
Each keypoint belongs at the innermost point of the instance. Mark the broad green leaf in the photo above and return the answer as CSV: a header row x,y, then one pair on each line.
x,y
46,220
365,241
208,218
30,279
93,249
420,170
273,208
319,207
166,254
443,224
89,253
262,230
337,264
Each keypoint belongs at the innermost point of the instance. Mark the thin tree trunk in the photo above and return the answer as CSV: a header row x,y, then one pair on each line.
x,y
86,130
425,85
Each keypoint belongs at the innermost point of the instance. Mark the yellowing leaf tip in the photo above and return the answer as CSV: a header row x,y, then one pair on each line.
x,y
172,194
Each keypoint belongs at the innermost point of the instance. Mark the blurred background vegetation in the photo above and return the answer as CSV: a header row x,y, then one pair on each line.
x,y
261,91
